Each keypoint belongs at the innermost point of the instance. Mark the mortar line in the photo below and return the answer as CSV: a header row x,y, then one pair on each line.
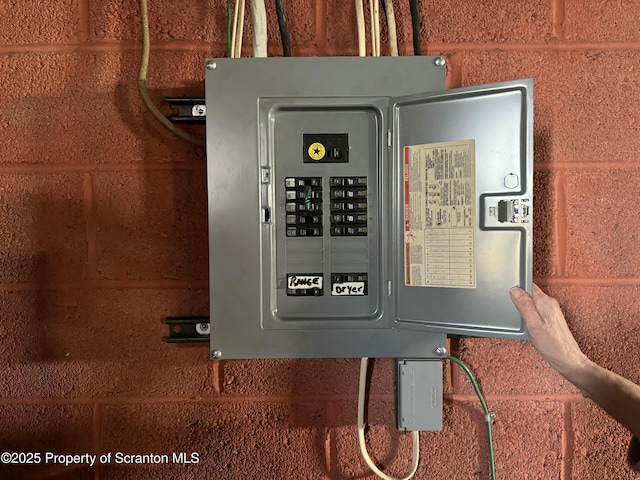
x,y
118,401
326,447
588,282
450,48
454,70
454,344
284,398
560,236
558,17
331,449
469,397
568,443
107,285
218,376
321,23
114,46
97,437
84,26
535,47
88,168
218,49
567,165
90,227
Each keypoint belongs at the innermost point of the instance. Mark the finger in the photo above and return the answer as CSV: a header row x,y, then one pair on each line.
x,y
538,292
525,305
542,301
539,297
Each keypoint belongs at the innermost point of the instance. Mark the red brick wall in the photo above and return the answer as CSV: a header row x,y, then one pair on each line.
x,y
103,221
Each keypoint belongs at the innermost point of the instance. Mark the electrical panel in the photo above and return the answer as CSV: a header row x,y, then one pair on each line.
x,y
357,208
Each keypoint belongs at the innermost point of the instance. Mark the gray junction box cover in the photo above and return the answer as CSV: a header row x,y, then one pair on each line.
x,y
357,208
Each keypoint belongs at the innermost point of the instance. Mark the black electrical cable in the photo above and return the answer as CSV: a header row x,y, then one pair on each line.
x,y
284,31
415,23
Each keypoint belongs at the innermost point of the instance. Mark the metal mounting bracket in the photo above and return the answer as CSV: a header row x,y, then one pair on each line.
x,y
187,329
190,110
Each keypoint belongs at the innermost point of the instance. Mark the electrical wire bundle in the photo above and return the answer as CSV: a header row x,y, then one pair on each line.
x,y
488,417
142,83
234,50
235,28
415,435
374,15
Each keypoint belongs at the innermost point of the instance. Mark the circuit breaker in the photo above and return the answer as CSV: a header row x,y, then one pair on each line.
x,y
357,208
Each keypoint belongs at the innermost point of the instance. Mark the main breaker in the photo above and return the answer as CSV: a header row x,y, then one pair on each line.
x,y
358,208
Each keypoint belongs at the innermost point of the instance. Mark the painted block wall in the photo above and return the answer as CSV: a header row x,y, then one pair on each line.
x,y
104,233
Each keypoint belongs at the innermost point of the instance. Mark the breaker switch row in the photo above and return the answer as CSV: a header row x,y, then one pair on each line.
x,y
349,218
348,206
353,193
348,231
304,232
303,219
291,207
297,182
303,206
301,195
347,181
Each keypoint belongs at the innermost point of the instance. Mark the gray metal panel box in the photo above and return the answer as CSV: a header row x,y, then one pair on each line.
x,y
309,252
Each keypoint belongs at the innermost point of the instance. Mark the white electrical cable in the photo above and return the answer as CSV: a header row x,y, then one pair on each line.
x,y
372,30
376,16
259,17
362,40
391,23
240,38
234,28
361,441
238,26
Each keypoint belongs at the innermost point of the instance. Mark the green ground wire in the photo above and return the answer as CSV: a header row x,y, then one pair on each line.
x,y
487,414
308,208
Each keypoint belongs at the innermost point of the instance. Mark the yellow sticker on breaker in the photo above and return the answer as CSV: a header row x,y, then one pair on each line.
x,y
316,151
440,214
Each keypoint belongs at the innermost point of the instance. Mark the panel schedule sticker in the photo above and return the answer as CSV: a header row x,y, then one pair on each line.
x,y
439,214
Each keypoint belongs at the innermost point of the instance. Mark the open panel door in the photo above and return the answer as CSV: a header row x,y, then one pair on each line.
x,y
463,173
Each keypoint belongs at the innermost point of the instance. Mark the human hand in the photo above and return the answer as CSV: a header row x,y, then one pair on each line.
x,y
548,330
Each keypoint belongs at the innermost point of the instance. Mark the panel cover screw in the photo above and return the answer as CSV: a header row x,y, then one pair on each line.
x,y
441,351
211,65
440,61
216,354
